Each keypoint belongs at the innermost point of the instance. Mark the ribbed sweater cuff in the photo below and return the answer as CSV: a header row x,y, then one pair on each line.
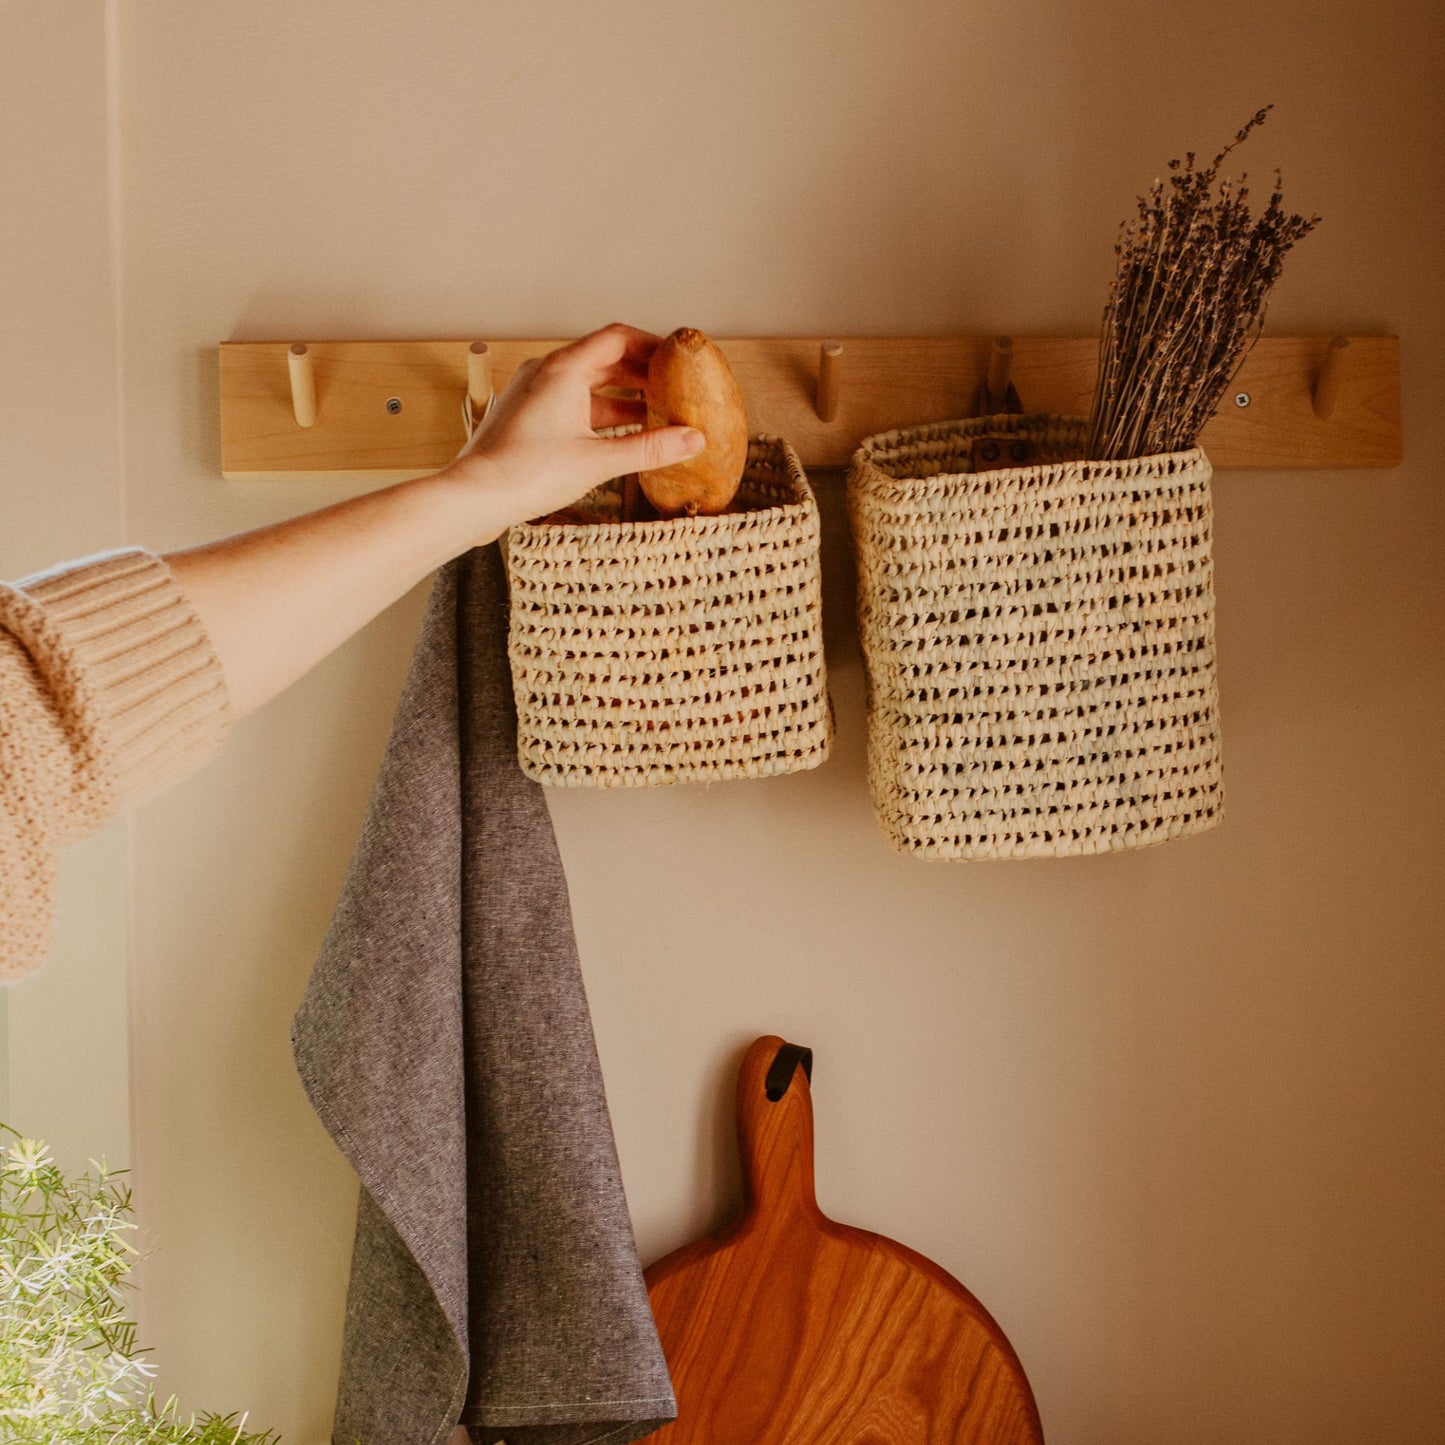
x,y
153,678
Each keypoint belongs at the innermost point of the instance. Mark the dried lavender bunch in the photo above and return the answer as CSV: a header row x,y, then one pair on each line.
x,y
1186,305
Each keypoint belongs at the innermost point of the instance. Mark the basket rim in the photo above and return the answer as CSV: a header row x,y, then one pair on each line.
x,y
662,528
866,459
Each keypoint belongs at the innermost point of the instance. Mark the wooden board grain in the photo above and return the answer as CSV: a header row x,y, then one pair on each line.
x,y
793,1329
882,382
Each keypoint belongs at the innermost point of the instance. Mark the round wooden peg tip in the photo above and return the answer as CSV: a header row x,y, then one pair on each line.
x,y
479,376
1000,365
826,400
303,383
1325,394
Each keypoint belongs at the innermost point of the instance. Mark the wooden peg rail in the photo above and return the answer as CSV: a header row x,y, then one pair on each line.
x,y
385,410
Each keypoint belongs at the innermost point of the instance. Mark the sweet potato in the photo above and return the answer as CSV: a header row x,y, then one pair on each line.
x,y
689,383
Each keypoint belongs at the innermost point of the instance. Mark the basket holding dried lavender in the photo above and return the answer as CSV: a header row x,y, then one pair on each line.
x,y
1036,594
1187,303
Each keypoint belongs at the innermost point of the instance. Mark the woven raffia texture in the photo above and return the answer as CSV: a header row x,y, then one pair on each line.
x,y
1039,643
679,651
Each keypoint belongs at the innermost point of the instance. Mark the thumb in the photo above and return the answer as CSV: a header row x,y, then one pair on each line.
x,y
661,446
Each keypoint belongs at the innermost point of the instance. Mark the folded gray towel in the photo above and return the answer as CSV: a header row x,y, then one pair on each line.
x,y
445,1043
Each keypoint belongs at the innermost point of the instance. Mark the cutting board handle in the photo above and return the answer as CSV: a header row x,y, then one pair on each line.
x,y
775,1127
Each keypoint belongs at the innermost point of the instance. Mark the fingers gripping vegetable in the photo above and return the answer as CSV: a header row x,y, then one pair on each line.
x,y
689,383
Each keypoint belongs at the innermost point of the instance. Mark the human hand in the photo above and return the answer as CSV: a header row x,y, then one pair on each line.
x,y
275,601
538,449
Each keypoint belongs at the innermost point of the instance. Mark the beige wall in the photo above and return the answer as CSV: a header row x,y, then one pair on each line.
x,y
63,1036
1175,1117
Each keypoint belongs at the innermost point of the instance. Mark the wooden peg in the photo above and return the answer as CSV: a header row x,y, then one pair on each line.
x,y
1000,363
826,401
1326,390
303,384
479,377
996,393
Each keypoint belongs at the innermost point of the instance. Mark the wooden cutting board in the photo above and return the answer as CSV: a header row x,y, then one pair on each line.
x,y
792,1329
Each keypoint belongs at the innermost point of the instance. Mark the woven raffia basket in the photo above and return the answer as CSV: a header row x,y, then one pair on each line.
x,y
679,651
1039,643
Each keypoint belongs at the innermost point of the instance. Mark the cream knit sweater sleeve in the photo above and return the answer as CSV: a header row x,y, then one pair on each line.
x,y
109,688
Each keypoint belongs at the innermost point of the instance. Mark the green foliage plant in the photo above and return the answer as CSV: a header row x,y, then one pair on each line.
x,y
70,1370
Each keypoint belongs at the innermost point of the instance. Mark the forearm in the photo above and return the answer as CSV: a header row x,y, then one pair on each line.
x,y
275,601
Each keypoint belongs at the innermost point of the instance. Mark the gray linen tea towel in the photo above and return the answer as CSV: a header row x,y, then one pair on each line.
x,y
445,1042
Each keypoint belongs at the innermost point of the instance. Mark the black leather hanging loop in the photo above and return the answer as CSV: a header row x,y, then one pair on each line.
x,y
781,1070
